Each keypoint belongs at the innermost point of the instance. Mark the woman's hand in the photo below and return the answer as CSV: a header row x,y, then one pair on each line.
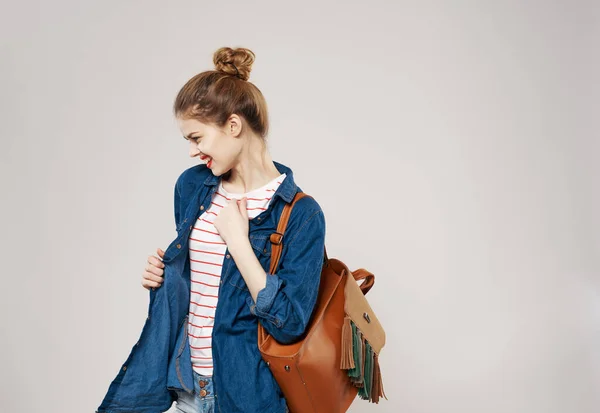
x,y
232,222
153,274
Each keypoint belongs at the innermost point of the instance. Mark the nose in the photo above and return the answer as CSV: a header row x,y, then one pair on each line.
x,y
194,151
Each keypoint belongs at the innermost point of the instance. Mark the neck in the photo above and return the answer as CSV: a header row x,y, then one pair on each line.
x,y
254,170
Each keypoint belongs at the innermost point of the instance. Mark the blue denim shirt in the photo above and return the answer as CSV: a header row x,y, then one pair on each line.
x,y
160,363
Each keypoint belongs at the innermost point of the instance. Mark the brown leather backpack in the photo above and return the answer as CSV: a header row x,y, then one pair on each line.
x,y
338,357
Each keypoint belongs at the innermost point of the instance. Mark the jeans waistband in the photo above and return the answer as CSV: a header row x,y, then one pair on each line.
x,y
203,386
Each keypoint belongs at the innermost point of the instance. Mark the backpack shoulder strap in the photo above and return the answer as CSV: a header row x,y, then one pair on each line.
x,y
277,237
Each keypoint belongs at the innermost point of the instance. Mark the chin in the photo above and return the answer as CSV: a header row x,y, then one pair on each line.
x,y
217,172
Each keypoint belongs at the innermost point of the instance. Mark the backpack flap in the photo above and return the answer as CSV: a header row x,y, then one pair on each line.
x,y
357,308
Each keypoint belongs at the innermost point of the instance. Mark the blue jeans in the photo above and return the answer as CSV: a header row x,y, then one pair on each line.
x,y
197,403
203,401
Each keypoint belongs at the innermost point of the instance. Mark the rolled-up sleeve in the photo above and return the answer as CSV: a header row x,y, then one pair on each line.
x,y
284,306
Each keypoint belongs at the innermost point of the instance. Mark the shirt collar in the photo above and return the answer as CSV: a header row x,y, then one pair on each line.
x,y
286,190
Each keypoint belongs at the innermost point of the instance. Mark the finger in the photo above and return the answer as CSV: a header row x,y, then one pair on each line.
x,y
244,207
154,270
152,260
149,284
161,253
148,276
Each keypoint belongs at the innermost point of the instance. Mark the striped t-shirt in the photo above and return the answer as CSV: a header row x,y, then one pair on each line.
x,y
207,253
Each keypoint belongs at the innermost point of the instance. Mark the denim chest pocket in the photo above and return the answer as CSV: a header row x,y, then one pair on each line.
x,y
261,245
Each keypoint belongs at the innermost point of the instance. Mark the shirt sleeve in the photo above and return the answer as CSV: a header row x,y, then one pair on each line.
x,y
285,305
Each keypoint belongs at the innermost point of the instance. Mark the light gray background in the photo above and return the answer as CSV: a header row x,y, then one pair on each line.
x,y
450,144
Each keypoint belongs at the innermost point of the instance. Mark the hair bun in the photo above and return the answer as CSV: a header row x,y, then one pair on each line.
x,y
235,62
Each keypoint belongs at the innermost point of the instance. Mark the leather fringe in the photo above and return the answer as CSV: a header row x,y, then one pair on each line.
x,y
377,382
365,391
363,360
362,363
355,373
347,360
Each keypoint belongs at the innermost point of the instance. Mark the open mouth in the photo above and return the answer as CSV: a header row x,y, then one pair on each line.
x,y
205,157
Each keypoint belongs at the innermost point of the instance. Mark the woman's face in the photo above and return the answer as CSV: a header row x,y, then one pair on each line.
x,y
218,149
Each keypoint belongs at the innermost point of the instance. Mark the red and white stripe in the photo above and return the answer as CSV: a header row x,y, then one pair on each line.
x,y
207,253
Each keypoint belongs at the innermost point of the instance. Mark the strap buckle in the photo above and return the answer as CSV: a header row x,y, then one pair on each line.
x,y
276,238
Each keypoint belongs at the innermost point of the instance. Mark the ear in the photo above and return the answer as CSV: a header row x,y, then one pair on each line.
x,y
234,125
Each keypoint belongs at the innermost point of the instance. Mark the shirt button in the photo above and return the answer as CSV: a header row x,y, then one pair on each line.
x,y
191,226
178,246
201,207
221,282
124,368
228,256
265,250
202,383
203,393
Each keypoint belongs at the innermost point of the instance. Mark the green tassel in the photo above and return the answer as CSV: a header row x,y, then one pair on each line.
x,y
365,391
366,372
355,373
370,375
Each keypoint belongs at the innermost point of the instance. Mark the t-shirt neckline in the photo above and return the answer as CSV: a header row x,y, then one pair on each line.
x,y
262,188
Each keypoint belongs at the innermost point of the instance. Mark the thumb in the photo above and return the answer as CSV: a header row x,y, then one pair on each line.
x,y
161,253
243,207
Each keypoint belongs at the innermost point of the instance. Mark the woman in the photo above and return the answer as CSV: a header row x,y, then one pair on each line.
x,y
226,208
